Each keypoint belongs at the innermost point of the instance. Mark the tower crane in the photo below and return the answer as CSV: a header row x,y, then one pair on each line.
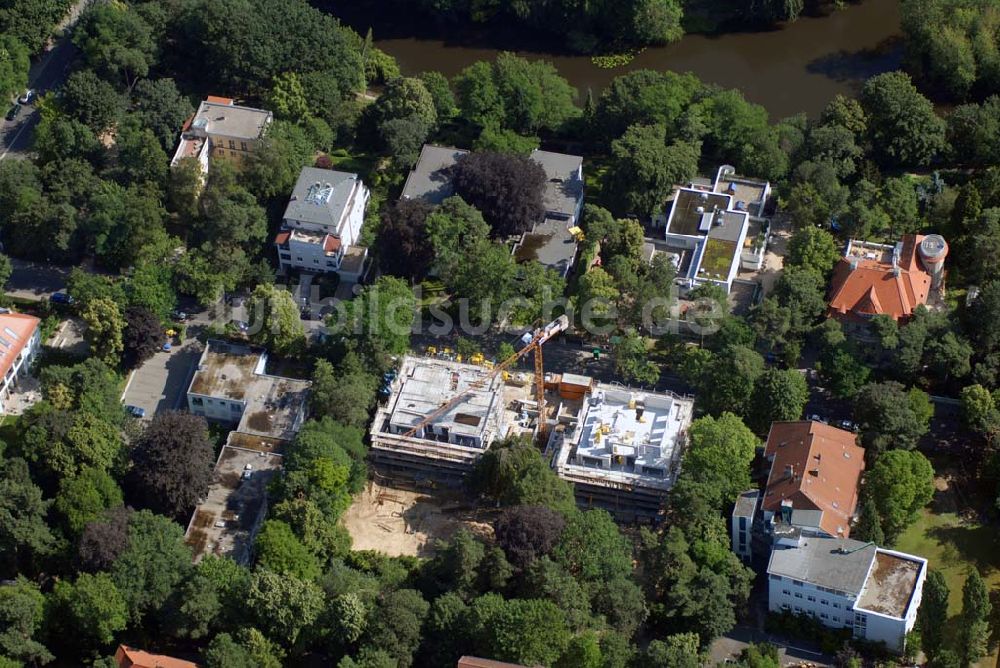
x,y
532,343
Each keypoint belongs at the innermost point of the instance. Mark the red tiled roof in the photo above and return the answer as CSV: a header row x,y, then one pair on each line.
x,y
331,244
128,657
863,287
16,329
216,99
816,467
476,662
282,237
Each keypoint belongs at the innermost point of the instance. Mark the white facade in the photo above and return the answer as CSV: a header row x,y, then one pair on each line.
x,y
846,584
322,223
741,523
20,366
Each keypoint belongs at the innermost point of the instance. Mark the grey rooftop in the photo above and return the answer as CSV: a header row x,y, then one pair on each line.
x,y
320,196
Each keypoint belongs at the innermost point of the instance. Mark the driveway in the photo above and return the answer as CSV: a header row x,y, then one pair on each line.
x,y
733,643
161,383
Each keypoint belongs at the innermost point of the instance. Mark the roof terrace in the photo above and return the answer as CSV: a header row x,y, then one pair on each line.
x,y
891,584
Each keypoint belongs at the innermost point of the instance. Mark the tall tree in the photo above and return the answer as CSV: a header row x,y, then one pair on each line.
x,y
901,483
933,615
976,609
105,330
902,125
276,324
22,608
171,464
779,395
143,335
506,188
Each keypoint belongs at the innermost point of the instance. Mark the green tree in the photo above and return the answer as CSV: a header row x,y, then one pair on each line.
x,y
933,614
513,472
815,249
279,157
675,651
161,108
719,456
779,395
394,625
440,90
975,618
287,98
14,64
24,534
87,613
644,168
900,483
154,561
22,607
592,548
84,498
105,330
980,412
283,606
631,360
526,631
117,41
381,317
278,549
729,380
902,125
346,395
90,100
891,417
276,322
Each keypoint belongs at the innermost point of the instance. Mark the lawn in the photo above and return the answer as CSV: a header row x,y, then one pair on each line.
x,y
952,544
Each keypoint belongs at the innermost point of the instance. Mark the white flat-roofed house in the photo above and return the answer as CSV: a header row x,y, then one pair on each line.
x,y
622,449
20,340
322,224
845,583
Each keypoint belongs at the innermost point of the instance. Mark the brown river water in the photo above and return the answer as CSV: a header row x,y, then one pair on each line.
x,y
797,67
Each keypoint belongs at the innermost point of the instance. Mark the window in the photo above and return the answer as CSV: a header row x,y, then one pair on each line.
x,y
299,258
197,401
836,619
836,605
811,598
243,146
232,145
796,583
286,256
784,606
776,578
331,263
743,523
798,609
234,408
823,601
232,154
798,595
786,592
823,615
315,261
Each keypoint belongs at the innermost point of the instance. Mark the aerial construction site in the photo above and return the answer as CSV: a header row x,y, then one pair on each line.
x,y
620,447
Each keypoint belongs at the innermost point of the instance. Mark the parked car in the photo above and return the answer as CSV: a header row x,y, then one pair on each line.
x,y
180,316
61,298
135,411
13,112
242,325
247,472
167,347
28,97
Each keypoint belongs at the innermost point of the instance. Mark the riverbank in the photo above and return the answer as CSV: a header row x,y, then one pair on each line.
x,y
797,68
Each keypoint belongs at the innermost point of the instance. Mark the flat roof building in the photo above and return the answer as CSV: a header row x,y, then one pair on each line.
x,y
845,583
221,129
708,229
448,447
231,386
621,448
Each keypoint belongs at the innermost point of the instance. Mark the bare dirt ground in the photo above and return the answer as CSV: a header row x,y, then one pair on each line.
x,y
401,522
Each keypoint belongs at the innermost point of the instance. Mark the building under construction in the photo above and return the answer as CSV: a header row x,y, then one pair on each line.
x,y
444,449
619,447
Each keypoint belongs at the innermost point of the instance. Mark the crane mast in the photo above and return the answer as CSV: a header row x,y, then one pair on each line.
x,y
533,342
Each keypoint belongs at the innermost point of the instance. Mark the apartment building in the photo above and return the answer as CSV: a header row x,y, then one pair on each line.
x,y
223,130
20,340
322,224
847,584
620,448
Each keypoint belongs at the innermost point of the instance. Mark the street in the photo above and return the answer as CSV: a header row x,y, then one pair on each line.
x,y
46,74
35,280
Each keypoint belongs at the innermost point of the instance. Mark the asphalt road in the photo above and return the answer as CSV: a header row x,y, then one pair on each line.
x,y
35,280
47,73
